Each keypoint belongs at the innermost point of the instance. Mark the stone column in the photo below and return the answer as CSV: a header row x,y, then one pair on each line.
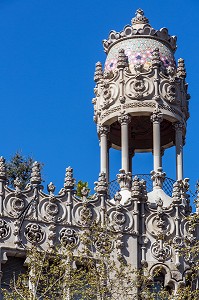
x,y
103,132
124,120
179,150
131,155
156,118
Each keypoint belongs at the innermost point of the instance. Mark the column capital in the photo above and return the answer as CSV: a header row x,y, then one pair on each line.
x,y
103,130
124,119
179,126
156,116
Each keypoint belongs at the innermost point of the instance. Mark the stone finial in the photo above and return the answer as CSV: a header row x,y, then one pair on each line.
x,y
138,189
35,177
101,185
51,188
181,71
98,75
176,194
69,181
122,59
2,168
139,18
135,190
158,178
156,58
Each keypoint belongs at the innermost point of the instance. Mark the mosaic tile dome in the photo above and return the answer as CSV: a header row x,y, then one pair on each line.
x,y
139,41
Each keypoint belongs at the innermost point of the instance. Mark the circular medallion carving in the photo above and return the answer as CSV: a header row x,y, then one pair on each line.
x,y
68,237
34,233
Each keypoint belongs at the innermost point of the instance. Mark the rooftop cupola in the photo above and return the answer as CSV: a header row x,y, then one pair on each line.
x,y
141,102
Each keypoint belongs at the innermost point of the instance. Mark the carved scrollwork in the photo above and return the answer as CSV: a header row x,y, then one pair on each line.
x,y
51,209
68,237
160,223
169,91
139,87
4,229
161,253
15,205
34,233
120,219
110,93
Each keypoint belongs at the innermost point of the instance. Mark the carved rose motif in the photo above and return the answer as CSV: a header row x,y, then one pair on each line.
x,y
119,218
18,204
4,229
68,237
33,233
52,209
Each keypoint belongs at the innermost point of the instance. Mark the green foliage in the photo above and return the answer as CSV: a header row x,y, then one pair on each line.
x,y
19,167
81,186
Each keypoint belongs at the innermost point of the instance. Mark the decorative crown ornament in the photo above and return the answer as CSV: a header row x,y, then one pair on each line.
x,y
139,18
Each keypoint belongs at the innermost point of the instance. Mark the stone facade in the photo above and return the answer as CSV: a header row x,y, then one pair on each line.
x,y
141,105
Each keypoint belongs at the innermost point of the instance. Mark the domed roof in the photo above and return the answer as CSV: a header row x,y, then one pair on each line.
x,y
139,41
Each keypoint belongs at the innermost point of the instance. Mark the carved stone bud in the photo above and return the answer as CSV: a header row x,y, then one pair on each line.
x,y
139,18
51,188
35,174
156,116
181,71
124,119
69,181
158,177
98,75
101,184
156,58
122,59
117,198
124,179
2,168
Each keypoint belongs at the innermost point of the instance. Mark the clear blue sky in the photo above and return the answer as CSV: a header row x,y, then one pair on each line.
x,y
48,51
